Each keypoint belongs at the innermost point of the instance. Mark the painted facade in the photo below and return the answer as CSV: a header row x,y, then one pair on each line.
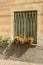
x,y
7,8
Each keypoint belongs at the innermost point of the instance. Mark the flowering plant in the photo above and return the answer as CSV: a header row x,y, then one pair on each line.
x,y
6,39
31,40
20,39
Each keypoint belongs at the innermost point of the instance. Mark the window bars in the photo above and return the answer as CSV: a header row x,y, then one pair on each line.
x,y
25,23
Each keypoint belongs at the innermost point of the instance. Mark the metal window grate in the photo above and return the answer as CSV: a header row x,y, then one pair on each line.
x,y
26,23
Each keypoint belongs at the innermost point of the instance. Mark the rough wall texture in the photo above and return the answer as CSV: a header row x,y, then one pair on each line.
x,y
7,8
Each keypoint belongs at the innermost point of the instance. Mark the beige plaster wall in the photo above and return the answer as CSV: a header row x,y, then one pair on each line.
x,y
7,8
5,21
39,8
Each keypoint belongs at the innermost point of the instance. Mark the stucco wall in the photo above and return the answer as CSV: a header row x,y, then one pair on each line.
x,y
5,21
7,8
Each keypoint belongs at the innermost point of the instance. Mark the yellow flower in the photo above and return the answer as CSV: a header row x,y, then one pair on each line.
x,y
31,39
16,38
19,38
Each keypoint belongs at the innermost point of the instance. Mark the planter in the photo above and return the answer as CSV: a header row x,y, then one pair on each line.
x,y
23,40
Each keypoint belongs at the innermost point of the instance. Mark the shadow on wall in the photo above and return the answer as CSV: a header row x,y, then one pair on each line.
x,y
17,50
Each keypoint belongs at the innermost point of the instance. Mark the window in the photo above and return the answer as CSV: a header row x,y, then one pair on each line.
x,y
25,23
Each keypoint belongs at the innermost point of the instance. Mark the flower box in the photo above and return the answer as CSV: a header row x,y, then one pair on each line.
x,y
23,40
